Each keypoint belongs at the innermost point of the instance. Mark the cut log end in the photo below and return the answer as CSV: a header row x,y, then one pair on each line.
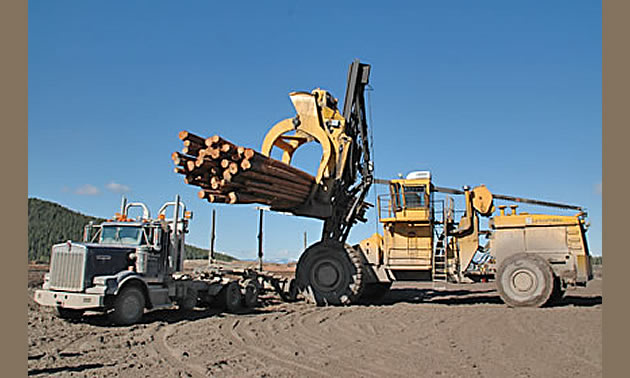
x,y
190,165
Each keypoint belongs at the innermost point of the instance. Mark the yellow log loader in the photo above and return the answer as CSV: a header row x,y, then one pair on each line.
x,y
532,257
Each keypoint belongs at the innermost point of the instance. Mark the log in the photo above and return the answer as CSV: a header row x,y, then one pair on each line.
x,y
234,198
206,163
215,198
216,141
191,151
245,185
233,168
258,158
194,144
185,135
265,193
225,148
190,165
253,176
297,195
200,181
265,170
243,198
204,193
180,159
214,153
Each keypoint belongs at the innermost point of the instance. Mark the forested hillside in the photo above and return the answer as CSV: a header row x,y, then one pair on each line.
x,y
50,223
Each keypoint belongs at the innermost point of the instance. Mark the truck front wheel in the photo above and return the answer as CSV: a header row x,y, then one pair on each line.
x,y
524,280
128,306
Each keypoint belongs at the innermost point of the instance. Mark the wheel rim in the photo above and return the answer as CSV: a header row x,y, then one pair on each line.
x,y
327,274
523,281
131,304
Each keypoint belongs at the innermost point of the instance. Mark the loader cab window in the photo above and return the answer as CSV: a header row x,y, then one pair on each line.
x,y
397,200
415,197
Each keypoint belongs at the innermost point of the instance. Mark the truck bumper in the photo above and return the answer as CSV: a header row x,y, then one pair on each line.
x,y
68,300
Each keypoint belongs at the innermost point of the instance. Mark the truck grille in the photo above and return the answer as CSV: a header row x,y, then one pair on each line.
x,y
67,267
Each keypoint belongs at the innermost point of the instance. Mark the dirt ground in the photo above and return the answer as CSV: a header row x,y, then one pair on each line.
x,y
463,330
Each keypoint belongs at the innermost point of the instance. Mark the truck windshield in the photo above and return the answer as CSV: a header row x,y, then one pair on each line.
x,y
121,235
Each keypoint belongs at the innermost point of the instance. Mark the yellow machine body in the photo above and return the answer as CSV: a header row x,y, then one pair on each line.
x,y
560,239
407,230
410,248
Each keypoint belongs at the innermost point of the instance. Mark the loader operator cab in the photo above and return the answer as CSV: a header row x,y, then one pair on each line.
x,y
409,199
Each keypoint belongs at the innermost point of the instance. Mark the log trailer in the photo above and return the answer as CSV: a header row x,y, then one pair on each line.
x,y
532,257
124,266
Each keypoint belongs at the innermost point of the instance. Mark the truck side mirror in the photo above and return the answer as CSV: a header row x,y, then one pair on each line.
x,y
87,232
156,238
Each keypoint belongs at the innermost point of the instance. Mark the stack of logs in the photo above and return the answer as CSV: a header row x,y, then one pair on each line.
x,y
227,173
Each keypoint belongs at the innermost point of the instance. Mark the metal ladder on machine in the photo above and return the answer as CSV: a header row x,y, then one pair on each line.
x,y
439,266
440,256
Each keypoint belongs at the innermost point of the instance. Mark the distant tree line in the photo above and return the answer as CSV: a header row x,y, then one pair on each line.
x,y
50,223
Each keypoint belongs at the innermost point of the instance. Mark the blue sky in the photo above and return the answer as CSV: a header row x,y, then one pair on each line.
x,y
506,94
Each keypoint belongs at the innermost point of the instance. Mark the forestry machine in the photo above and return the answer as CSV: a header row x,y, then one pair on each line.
x,y
538,255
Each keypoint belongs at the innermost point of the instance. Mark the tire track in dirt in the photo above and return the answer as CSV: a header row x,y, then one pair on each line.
x,y
322,341
336,343
260,352
356,342
315,356
568,349
170,355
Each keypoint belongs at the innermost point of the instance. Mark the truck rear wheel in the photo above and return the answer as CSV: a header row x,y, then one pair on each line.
x,y
231,296
329,273
68,313
250,295
524,280
128,306
188,302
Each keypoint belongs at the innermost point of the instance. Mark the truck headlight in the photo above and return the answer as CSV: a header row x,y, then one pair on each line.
x,y
99,281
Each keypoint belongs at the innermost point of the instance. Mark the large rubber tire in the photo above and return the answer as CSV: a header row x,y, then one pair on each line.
x,y
69,313
557,293
188,302
129,306
374,292
524,280
330,273
231,296
250,295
